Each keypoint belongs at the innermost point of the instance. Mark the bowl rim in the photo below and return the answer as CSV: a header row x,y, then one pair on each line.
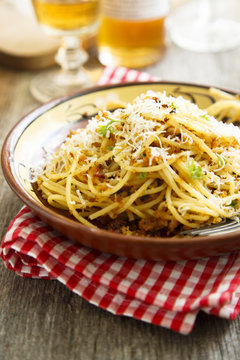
x,y
11,141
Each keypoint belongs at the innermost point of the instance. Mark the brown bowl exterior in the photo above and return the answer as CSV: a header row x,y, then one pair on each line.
x,y
31,128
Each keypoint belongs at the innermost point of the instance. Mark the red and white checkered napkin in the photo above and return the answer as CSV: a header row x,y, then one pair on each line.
x,y
114,75
169,294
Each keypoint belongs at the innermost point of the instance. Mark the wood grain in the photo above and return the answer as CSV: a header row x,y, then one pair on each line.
x,y
43,320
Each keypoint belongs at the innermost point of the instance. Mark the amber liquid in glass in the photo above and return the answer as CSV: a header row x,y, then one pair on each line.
x,y
69,16
131,43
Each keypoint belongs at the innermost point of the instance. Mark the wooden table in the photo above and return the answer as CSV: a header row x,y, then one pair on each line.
x,y
41,319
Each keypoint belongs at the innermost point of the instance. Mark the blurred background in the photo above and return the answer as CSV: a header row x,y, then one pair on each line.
x,y
163,37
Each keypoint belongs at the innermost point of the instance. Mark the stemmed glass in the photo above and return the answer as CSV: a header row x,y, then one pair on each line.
x,y
70,20
206,25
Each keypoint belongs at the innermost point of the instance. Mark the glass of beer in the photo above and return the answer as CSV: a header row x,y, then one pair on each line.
x,y
71,21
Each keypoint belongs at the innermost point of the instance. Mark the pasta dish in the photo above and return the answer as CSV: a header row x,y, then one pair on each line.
x,y
154,167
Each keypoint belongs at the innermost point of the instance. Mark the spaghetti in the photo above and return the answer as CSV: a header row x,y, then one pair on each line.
x,y
154,167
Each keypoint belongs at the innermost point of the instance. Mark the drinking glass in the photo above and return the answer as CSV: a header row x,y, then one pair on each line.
x,y
206,25
70,20
132,32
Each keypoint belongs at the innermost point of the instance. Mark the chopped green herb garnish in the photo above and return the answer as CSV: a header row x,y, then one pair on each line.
x,y
113,120
110,148
142,175
221,160
205,116
196,172
173,105
233,203
105,128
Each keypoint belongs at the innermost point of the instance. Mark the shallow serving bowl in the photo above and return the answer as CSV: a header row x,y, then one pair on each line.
x,y
46,127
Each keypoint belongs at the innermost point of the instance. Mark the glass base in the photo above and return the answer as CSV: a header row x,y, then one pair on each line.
x,y
132,58
190,30
53,83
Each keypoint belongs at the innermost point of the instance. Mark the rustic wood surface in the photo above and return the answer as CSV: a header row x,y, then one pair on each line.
x,y
41,319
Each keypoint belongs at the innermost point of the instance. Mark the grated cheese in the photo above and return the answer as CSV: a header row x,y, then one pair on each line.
x,y
145,119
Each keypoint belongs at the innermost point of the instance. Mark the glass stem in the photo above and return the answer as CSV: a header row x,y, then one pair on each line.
x,y
71,55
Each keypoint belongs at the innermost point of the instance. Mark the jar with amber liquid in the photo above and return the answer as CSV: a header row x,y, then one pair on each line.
x,y
132,32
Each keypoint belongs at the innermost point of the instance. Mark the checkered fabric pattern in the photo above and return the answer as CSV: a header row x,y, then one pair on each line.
x,y
168,294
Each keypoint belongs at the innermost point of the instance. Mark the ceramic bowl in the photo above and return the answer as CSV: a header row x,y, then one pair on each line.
x,y
47,126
